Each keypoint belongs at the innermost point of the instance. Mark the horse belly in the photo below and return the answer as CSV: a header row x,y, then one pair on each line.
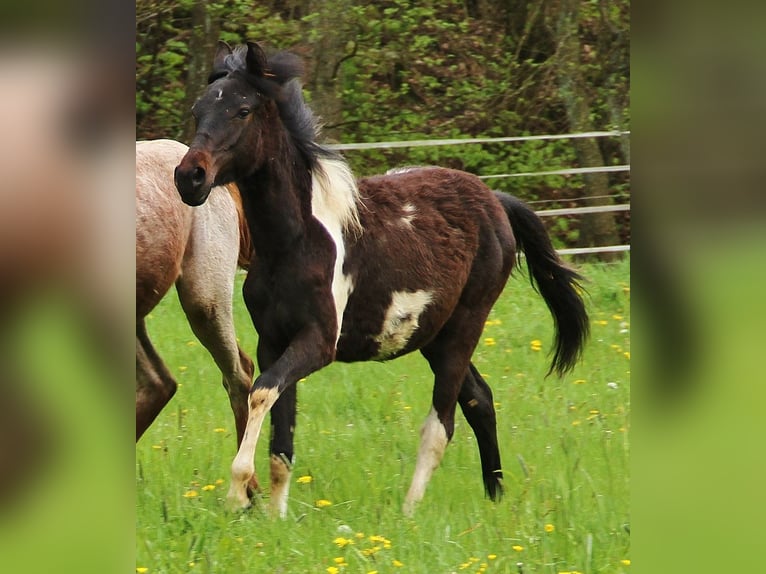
x,y
384,332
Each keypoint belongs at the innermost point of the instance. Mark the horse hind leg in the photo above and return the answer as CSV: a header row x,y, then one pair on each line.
x,y
155,386
449,360
478,407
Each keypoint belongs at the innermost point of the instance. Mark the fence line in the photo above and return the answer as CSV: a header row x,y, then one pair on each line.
x,y
586,250
567,171
580,210
458,141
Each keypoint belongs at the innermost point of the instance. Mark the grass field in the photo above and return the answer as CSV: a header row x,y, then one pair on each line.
x,y
564,443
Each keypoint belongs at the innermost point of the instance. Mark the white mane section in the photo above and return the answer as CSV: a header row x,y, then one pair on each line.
x,y
334,192
334,197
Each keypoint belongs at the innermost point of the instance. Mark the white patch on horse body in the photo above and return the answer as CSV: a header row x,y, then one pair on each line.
x,y
401,321
433,443
409,214
334,197
219,96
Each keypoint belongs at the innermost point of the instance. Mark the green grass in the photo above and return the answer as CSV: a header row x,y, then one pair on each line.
x,y
564,444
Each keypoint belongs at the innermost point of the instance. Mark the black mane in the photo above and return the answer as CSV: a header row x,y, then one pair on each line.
x,y
281,82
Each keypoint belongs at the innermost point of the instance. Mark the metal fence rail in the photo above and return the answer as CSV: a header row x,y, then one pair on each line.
x,y
566,171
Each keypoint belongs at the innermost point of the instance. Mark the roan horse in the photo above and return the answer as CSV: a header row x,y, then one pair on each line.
x,y
358,271
198,250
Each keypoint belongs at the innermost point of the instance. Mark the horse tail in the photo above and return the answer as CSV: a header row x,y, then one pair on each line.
x,y
246,250
558,284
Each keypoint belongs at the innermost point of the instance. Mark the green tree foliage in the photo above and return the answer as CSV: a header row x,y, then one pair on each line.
x,y
398,70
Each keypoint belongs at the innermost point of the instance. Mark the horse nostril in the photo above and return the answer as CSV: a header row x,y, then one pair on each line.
x,y
198,176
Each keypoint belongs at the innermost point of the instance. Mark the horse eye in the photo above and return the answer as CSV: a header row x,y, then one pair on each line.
x,y
243,113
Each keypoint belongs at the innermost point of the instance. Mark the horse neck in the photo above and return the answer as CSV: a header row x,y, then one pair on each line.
x,y
277,201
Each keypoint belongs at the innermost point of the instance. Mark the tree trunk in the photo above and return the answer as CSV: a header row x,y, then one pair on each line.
x,y
326,70
596,229
202,44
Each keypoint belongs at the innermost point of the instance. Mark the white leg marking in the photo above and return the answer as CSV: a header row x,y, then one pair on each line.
x,y
280,486
243,467
401,321
433,443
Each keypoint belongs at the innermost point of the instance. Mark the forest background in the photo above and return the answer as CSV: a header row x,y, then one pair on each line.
x,y
397,70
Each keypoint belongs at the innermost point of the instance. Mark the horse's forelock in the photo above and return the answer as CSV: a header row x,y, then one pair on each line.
x,y
281,67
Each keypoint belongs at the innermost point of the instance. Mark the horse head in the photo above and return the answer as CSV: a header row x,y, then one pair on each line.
x,y
234,117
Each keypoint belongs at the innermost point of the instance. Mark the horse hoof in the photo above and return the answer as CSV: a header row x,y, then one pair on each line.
x,y
237,500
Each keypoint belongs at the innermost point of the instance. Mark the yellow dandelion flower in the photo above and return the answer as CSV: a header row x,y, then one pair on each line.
x,y
536,344
359,535
192,564
332,570
157,446
578,381
142,570
575,423
617,317
322,503
191,494
219,481
208,487
549,528
340,561
490,341
626,354
625,562
397,563
491,556
305,479
182,368
601,322
219,429
341,542
372,572
517,548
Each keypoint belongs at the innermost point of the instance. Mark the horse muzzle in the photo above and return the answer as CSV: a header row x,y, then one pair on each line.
x,y
192,179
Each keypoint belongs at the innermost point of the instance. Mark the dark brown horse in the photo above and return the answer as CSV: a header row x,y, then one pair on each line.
x,y
358,271
198,251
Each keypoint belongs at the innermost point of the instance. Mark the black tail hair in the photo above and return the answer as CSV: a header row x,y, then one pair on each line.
x,y
558,284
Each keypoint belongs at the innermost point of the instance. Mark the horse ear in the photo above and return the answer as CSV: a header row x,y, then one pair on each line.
x,y
256,59
221,52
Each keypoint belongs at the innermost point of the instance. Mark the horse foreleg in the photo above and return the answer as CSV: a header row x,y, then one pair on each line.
x,y
243,467
282,457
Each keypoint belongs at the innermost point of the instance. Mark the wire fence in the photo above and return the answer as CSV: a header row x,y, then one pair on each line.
x,y
511,139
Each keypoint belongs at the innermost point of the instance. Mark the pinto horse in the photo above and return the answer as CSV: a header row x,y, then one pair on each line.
x,y
358,271
198,250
